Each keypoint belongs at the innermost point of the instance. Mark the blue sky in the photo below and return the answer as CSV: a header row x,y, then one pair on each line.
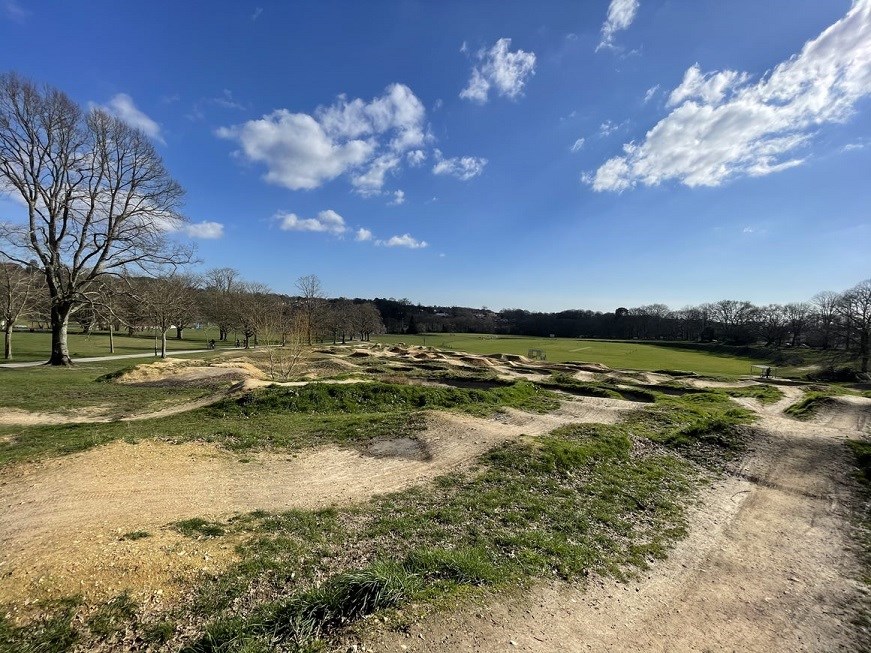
x,y
545,155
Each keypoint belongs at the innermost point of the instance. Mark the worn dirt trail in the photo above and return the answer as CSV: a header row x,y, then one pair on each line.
x,y
61,518
767,567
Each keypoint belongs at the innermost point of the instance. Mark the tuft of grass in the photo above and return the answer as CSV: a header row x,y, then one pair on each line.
x,y
159,632
766,394
112,616
199,528
862,454
471,565
132,536
53,631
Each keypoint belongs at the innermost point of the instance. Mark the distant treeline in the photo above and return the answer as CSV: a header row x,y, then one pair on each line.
x,y
829,320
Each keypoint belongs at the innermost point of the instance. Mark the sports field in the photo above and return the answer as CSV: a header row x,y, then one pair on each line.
x,y
618,355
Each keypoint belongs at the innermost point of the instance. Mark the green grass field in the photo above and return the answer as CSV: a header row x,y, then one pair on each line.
x,y
618,355
36,346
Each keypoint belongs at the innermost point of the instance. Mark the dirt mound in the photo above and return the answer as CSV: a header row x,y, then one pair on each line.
x,y
17,417
173,372
845,413
476,361
62,517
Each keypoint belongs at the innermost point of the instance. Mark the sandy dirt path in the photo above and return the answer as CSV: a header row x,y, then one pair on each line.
x,y
767,567
61,518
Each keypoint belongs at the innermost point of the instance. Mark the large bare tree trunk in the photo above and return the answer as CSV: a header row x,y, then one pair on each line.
x,y
111,338
60,354
163,344
7,342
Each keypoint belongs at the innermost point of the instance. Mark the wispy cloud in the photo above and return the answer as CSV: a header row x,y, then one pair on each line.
x,y
256,14
724,127
363,235
205,230
326,222
405,240
648,95
577,145
13,11
499,69
621,13
461,167
123,107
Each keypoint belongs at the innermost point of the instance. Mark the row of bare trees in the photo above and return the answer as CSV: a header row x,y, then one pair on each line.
x,y
830,320
251,312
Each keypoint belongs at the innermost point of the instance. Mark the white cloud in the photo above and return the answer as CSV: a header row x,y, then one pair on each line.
x,y
648,95
501,69
297,152
256,14
303,151
416,158
726,127
363,235
461,167
405,240
370,181
398,198
607,128
173,224
850,147
748,230
621,13
226,101
206,230
398,111
708,89
577,145
326,222
121,106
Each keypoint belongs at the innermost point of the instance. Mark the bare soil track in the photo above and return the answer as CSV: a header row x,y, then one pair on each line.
x,y
62,518
767,566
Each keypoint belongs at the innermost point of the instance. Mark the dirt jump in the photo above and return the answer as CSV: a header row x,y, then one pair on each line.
x,y
768,566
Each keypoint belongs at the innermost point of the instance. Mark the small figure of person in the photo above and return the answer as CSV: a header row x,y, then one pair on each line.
x,y
212,343
238,343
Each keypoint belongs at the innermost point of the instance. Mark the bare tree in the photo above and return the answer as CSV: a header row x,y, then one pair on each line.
x,y
166,300
19,295
774,323
736,317
311,303
855,306
368,320
98,198
217,306
826,304
797,315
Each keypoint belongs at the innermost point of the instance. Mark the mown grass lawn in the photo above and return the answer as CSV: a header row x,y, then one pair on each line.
x,y
36,346
617,355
